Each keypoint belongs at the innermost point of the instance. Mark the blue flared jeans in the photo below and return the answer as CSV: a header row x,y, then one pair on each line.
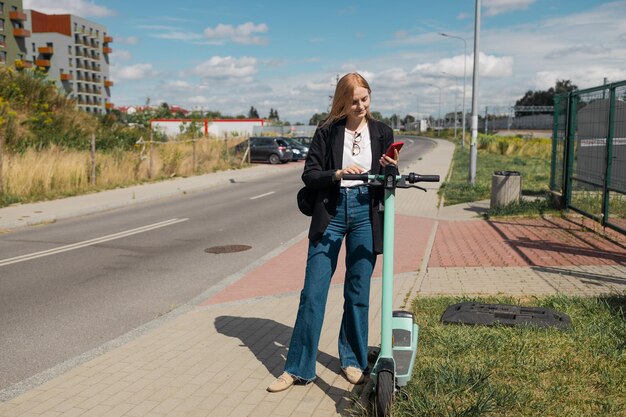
x,y
351,221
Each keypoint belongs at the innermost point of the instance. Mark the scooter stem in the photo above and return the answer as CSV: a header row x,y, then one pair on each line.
x,y
388,246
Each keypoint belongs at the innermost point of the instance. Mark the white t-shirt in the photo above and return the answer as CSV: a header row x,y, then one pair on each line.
x,y
363,157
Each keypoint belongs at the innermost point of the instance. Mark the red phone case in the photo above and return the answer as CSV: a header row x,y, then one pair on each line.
x,y
390,149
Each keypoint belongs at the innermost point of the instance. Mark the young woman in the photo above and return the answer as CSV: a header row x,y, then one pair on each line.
x,y
348,142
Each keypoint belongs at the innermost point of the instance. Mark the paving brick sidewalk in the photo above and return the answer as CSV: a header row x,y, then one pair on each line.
x,y
217,358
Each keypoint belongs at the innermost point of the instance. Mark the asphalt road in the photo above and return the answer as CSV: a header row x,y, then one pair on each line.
x,y
69,287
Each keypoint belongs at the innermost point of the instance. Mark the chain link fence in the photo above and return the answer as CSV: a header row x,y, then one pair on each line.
x,y
589,153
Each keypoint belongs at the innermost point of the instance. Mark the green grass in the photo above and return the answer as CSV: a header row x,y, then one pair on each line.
x,y
474,371
535,172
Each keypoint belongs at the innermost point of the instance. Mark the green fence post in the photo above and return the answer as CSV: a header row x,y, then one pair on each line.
x,y
557,102
570,145
609,158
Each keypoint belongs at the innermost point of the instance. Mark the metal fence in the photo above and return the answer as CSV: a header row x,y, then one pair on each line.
x,y
589,153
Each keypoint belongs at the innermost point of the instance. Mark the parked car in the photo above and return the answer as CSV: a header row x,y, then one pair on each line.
x,y
305,140
267,149
298,150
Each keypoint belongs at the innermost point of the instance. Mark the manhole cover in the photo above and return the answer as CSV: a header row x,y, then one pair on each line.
x,y
228,249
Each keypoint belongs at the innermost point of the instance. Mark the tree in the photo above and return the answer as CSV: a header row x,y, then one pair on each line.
x,y
543,97
273,114
317,118
253,113
408,121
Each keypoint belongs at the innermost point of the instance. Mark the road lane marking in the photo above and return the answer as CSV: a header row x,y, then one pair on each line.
x,y
78,245
262,195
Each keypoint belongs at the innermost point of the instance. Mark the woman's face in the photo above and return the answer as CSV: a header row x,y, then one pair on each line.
x,y
360,103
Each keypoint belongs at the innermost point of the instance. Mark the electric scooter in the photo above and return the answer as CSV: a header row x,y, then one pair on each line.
x,y
399,332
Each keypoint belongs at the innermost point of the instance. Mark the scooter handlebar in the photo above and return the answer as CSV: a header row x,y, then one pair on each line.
x,y
355,177
413,178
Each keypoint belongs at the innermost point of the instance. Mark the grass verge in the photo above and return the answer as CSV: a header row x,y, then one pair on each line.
x,y
465,371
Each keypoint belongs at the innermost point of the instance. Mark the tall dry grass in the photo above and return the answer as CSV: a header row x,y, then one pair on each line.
x,y
57,172
513,145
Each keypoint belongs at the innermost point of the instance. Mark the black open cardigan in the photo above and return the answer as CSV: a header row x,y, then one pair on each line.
x,y
319,171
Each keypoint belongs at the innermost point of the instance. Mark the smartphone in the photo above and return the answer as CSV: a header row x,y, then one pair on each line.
x,y
390,151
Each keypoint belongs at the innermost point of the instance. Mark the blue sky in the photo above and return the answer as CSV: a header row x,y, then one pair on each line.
x,y
230,55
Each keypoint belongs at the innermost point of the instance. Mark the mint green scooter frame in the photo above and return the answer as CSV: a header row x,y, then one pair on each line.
x,y
399,333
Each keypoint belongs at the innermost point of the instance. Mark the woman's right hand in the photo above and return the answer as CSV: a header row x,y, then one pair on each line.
x,y
352,169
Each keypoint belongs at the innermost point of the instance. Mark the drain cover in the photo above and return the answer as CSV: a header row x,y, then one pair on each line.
x,y
228,249
503,314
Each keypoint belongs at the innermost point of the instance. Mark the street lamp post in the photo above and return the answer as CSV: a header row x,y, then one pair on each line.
x,y
438,131
464,73
473,142
455,106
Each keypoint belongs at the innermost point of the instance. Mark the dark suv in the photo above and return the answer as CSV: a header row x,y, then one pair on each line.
x,y
267,149
298,150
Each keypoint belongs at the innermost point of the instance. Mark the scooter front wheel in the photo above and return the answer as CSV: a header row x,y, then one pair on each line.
x,y
384,393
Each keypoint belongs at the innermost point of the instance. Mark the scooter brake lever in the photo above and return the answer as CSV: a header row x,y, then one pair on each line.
x,y
411,186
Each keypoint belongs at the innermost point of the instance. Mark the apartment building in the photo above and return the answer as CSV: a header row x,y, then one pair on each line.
x,y
13,35
75,53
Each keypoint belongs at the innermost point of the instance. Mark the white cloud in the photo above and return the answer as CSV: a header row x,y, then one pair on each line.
x,y
582,76
490,66
179,84
121,55
198,100
227,68
177,35
496,7
243,34
133,72
130,40
82,8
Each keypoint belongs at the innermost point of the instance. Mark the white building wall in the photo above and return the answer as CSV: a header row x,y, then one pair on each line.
x,y
218,128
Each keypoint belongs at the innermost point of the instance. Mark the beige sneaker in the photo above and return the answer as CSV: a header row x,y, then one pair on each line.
x,y
354,375
282,383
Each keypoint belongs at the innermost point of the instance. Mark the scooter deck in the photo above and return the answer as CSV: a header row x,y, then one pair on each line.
x,y
404,346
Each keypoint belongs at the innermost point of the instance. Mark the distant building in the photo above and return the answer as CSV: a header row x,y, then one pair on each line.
x,y
13,35
214,127
75,53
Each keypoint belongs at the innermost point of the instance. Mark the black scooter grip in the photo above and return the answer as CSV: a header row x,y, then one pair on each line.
x,y
413,178
428,178
355,177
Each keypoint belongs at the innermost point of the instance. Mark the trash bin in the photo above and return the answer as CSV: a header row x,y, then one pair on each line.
x,y
506,188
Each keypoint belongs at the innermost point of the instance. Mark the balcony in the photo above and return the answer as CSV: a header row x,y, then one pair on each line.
x,y
21,33
17,15
66,77
21,64
107,50
108,39
46,50
108,83
42,63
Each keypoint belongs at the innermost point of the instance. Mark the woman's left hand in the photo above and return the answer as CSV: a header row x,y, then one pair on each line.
x,y
385,160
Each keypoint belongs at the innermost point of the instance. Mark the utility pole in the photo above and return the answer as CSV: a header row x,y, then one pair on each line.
x,y
486,119
474,140
464,73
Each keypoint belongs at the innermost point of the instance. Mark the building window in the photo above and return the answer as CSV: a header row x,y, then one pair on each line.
x,y
34,47
1,7
70,62
1,24
3,57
